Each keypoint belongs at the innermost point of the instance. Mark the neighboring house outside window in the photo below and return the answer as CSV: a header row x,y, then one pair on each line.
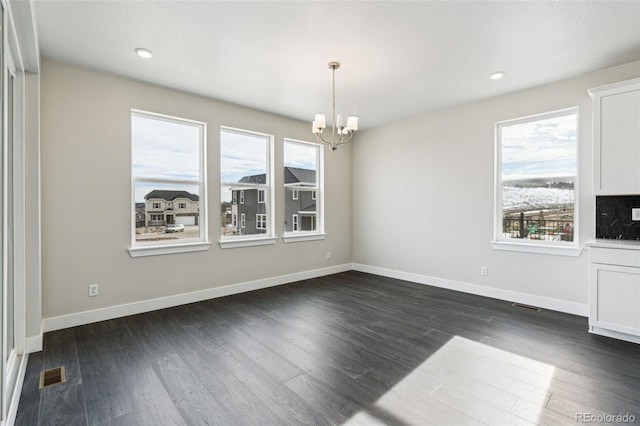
x,y
165,171
536,174
187,215
245,174
302,180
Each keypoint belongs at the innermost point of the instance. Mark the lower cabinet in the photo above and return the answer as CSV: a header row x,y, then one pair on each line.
x,y
615,293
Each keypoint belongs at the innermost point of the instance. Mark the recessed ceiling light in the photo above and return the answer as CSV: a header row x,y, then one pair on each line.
x,y
144,53
496,75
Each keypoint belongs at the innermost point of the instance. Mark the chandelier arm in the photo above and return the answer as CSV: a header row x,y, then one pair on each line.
x,y
321,139
343,139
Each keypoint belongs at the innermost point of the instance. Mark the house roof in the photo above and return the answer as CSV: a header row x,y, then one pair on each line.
x,y
297,175
291,175
170,195
261,179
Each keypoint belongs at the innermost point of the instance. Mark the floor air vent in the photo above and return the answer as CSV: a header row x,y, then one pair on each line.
x,y
526,307
52,377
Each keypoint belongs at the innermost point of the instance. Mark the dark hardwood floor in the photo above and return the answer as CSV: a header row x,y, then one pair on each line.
x,y
350,348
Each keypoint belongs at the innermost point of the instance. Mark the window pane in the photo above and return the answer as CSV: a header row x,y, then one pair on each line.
x,y
244,173
301,187
538,173
167,179
540,149
301,160
243,157
543,211
164,149
160,206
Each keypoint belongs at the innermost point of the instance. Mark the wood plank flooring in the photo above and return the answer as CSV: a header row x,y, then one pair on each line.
x,y
351,348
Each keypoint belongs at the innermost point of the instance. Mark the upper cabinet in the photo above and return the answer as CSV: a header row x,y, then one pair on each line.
x,y
616,138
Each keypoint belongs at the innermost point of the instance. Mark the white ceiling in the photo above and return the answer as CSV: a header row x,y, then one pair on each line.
x,y
399,59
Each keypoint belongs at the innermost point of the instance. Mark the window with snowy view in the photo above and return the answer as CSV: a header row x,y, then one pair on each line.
x,y
536,177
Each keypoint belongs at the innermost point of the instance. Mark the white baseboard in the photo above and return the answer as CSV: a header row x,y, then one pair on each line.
x,y
33,344
614,334
111,312
480,290
12,410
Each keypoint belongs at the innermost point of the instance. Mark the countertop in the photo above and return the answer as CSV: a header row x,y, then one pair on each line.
x,y
616,244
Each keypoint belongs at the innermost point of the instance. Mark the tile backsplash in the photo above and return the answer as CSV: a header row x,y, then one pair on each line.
x,y
613,217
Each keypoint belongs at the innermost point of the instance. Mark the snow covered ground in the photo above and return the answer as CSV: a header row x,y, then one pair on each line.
x,y
523,199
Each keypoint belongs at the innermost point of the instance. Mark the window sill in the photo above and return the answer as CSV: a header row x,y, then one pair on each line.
x,y
297,237
537,248
247,242
157,250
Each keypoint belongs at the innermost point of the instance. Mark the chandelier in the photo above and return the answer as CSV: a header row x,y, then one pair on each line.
x,y
342,127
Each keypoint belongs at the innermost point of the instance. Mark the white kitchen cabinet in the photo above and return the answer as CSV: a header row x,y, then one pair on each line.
x,y
614,289
616,138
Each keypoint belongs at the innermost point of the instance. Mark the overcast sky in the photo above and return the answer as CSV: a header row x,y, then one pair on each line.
x,y
168,150
300,155
544,148
241,155
164,150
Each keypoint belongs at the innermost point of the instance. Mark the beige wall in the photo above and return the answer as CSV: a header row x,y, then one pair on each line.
x,y
441,164
33,272
423,193
86,196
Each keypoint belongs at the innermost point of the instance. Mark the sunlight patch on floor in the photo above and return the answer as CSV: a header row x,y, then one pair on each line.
x,y
466,382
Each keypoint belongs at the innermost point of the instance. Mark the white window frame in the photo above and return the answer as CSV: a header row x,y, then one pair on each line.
x,y
12,237
319,233
243,220
267,238
234,199
182,205
314,195
294,194
261,221
140,249
261,196
563,248
294,223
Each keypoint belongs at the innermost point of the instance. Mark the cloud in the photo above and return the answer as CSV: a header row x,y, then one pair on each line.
x,y
165,149
543,148
242,155
299,155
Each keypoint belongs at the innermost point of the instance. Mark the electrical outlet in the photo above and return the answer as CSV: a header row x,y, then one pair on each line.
x,y
328,255
484,271
93,290
635,213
